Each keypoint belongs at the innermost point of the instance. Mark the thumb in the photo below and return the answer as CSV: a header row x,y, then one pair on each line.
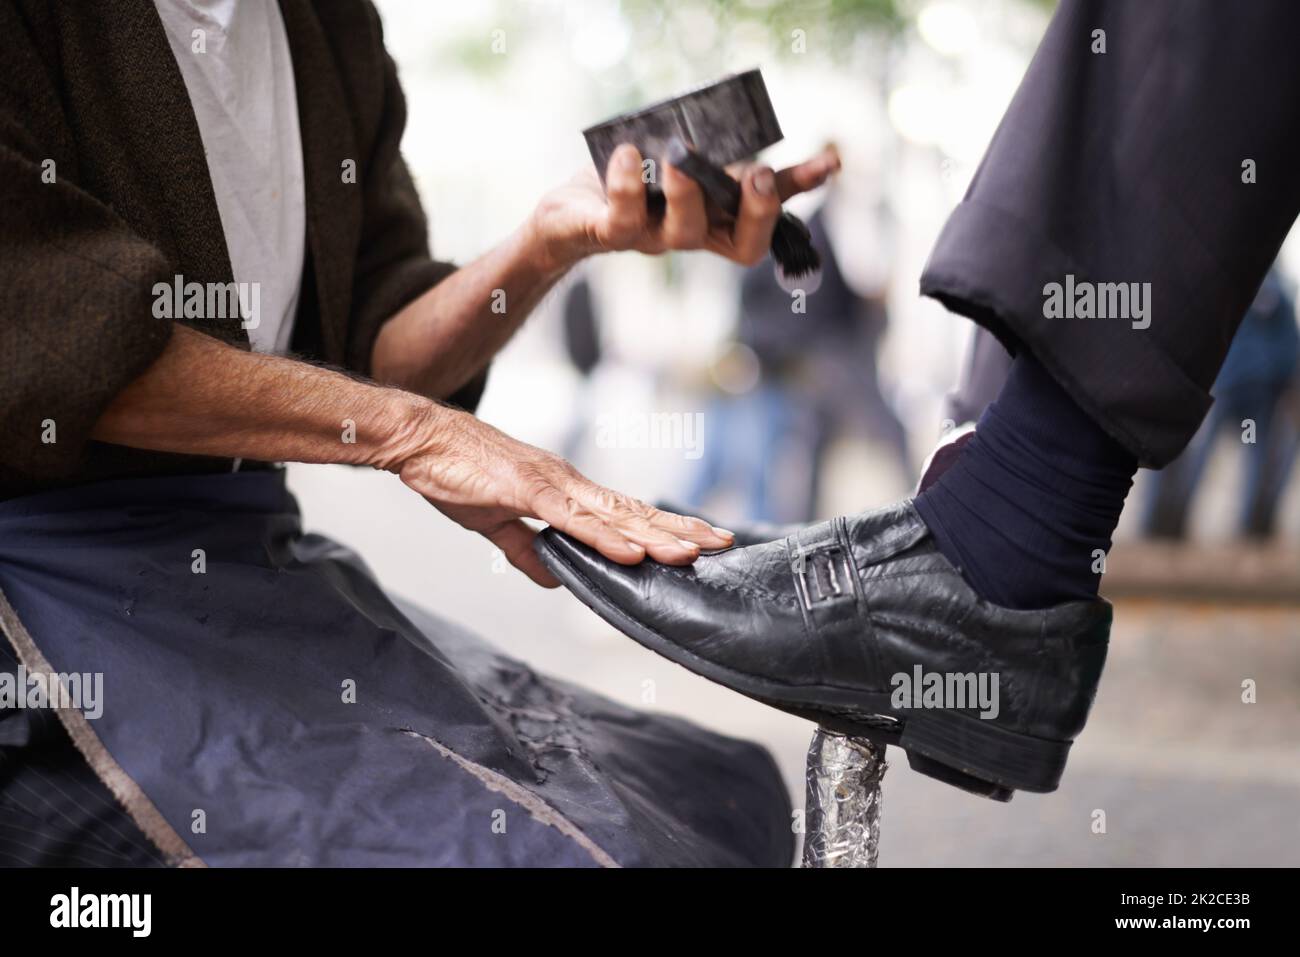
x,y
515,539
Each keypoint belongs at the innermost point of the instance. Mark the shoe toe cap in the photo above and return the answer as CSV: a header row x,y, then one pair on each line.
x,y
711,608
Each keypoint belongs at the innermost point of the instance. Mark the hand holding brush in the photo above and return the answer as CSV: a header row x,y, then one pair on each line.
x,y
795,259
698,134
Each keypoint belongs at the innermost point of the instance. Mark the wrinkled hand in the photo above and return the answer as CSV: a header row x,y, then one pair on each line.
x,y
484,480
579,219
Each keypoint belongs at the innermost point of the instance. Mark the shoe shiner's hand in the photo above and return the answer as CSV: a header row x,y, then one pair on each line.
x,y
579,218
488,482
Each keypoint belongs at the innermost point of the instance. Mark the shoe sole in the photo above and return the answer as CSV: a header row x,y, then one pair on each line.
x,y
967,753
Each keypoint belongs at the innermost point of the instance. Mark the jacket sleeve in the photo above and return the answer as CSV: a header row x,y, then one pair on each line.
x,y
76,314
394,265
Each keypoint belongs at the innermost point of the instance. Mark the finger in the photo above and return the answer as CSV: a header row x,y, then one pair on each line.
x,y
759,209
692,529
670,539
660,545
685,224
672,546
631,519
627,518
807,175
515,539
625,192
571,516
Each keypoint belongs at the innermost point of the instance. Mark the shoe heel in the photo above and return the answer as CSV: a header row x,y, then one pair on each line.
x,y
941,772
973,748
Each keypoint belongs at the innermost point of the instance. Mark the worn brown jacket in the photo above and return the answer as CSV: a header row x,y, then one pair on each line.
x,y
94,88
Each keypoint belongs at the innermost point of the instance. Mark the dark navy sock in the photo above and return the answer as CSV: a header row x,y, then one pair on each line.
x,y
1030,504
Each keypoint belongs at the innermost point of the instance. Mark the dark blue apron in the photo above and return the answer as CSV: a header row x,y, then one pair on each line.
x,y
275,707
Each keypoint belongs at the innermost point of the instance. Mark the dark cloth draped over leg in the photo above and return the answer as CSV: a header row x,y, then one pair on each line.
x,y
224,692
1127,166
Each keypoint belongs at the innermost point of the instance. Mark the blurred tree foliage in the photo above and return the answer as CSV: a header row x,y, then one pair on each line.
x,y
842,21
834,25
840,18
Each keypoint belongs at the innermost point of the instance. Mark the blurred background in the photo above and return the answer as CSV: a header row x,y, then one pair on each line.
x,y
684,377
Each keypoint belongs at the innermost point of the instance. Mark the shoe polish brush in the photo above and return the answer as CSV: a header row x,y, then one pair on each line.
x,y
706,129
792,250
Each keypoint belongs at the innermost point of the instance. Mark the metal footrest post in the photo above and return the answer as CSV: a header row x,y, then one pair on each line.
x,y
842,818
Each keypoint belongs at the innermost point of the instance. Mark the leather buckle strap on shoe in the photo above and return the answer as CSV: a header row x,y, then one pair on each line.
x,y
832,601
823,575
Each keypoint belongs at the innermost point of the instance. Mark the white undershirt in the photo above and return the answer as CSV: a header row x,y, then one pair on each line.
x,y
242,90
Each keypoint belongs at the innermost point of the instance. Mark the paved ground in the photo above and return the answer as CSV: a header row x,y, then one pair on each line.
x,y
1184,771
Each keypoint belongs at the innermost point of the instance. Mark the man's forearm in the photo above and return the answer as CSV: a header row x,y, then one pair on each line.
x,y
203,397
444,339
447,336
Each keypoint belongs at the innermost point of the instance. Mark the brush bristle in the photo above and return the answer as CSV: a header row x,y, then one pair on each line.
x,y
793,251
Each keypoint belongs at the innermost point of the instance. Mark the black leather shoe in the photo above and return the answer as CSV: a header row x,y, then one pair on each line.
x,y
861,625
